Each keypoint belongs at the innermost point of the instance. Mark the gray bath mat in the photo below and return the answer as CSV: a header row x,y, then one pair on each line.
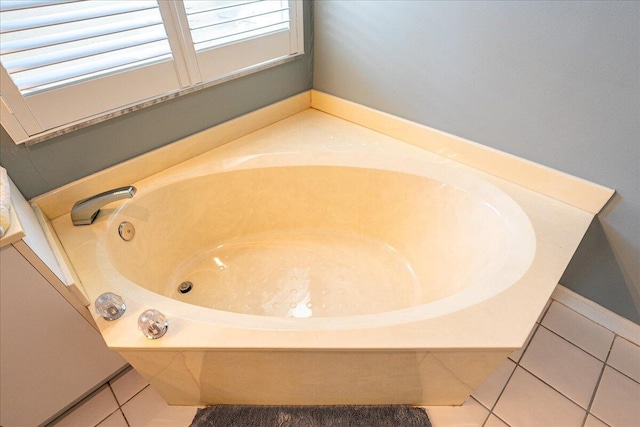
x,y
311,416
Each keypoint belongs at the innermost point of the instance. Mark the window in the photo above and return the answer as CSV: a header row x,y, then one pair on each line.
x,y
65,62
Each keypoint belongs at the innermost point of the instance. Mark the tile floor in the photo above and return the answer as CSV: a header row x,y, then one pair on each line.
x,y
571,372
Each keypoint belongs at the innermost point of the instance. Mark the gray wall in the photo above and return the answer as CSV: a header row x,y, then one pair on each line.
x,y
557,83
58,161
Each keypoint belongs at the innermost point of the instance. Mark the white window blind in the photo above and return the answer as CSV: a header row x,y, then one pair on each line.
x,y
244,32
214,24
54,45
67,61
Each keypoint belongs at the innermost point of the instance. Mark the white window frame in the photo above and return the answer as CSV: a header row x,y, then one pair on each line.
x,y
50,113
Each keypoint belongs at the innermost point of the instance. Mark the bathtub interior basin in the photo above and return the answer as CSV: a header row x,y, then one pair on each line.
x,y
323,242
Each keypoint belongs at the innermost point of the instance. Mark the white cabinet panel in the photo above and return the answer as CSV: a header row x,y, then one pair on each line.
x,y
50,356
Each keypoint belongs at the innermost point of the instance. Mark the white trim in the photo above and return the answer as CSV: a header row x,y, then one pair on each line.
x,y
17,105
297,36
602,316
116,112
242,54
83,100
184,55
11,124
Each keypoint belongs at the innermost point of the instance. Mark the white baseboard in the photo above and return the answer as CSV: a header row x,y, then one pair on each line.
x,y
602,316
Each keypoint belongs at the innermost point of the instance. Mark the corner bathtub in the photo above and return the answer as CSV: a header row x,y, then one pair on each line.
x,y
318,278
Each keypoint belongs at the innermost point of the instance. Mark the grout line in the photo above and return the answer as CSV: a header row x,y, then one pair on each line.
x,y
505,384
115,398
604,362
595,391
113,393
604,365
104,419
486,418
77,406
558,391
137,393
626,339
589,413
131,398
602,316
623,374
120,405
613,367
578,347
533,332
124,416
540,379
589,319
505,423
597,324
118,374
606,359
518,364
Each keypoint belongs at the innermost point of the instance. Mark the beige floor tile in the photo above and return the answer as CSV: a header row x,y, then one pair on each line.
x,y
470,414
494,421
91,411
584,333
173,416
127,385
488,392
114,420
143,407
528,402
565,367
625,357
617,400
148,409
593,422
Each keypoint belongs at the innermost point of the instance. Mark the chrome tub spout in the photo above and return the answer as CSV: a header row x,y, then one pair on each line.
x,y
85,211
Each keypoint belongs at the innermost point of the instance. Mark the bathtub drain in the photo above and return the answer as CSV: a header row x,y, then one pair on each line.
x,y
185,287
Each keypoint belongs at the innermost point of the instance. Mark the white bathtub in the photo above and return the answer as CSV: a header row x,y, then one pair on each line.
x,y
394,274
318,278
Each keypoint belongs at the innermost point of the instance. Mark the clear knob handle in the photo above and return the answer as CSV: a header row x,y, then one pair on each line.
x,y
153,324
110,306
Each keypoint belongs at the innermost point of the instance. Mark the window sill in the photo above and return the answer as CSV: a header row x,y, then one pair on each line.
x,y
90,121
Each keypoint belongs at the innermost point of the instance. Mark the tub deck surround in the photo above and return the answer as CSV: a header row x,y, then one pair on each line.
x,y
567,188
440,357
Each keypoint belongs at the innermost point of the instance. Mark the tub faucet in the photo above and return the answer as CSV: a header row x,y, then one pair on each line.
x,y
85,211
